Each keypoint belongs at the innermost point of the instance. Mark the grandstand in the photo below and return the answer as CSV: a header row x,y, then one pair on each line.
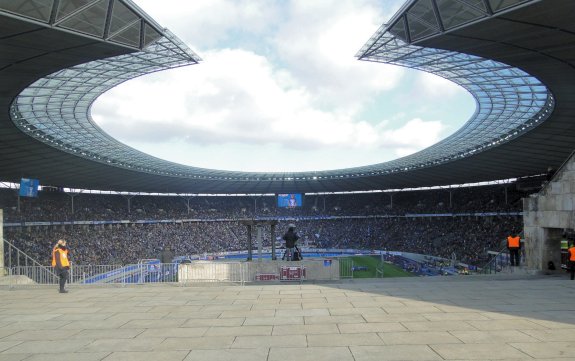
x,y
418,221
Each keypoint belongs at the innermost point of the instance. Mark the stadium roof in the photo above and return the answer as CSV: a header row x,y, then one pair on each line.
x,y
516,57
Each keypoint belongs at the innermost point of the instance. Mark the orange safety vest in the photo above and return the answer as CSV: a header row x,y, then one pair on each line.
x,y
513,242
62,254
572,254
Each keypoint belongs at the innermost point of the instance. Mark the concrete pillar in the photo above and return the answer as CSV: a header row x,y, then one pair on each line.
x,y
249,242
546,215
273,238
259,238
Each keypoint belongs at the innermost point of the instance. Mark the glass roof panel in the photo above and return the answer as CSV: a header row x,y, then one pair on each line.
x,y
399,29
90,21
35,9
454,13
62,111
419,30
498,5
122,17
150,35
423,10
66,7
129,36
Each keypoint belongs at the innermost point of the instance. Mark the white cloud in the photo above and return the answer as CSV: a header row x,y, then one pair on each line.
x,y
293,106
434,86
204,23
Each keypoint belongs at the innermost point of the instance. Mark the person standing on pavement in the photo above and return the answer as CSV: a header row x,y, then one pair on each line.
x,y
571,252
290,237
61,263
514,245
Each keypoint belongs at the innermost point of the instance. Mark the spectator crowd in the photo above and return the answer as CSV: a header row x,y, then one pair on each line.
x,y
465,222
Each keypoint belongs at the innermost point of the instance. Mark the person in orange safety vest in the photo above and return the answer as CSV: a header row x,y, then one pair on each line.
x,y
571,252
61,262
514,245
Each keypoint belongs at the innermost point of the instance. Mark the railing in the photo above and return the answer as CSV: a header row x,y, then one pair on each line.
x,y
346,268
498,263
23,268
31,275
15,257
197,272
93,274
130,274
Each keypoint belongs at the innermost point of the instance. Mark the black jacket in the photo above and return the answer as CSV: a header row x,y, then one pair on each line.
x,y
291,238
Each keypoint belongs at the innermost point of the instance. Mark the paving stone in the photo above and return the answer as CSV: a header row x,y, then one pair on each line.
x,y
112,345
42,347
7,345
282,330
174,332
495,351
269,341
548,349
193,343
41,335
18,357
148,356
310,354
394,353
309,320
155,324
239,331
109,334
353,339
494,337
76,356
252,354
209,322
371,327
438,326
418,338
253,321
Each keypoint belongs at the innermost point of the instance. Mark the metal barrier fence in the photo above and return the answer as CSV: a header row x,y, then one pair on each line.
x,y
346,268
92,274
15,257
28,275
184,273
500,262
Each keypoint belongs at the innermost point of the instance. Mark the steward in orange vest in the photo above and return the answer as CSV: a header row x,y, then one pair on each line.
x,y
61,263
513,245
571,252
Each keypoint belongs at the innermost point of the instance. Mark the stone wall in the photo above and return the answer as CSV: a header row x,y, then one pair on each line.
x,y
547,215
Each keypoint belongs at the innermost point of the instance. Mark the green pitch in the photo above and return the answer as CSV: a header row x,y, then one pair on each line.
x,y
372,263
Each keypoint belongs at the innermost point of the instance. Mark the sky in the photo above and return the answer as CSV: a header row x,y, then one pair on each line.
x,y
279,90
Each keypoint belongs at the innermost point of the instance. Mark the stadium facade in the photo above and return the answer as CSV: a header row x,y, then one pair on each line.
x,y
516,57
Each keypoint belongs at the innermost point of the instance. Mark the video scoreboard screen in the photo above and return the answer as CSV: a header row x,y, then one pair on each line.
x,y
289,200
29,187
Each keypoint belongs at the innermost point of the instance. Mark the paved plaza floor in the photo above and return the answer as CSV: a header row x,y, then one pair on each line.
x,y
435,318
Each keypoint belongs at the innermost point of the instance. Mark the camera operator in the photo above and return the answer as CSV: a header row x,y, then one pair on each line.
x,y
290,237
